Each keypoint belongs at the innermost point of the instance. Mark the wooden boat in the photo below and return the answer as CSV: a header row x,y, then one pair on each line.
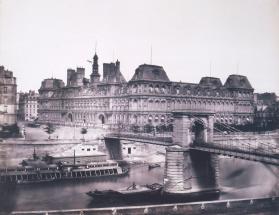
x,y
133,193
153,165
50,173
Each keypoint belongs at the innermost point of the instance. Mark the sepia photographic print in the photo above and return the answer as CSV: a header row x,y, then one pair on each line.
x,y
132,107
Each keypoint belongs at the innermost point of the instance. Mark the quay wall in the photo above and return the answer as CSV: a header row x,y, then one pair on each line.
x,y
267,206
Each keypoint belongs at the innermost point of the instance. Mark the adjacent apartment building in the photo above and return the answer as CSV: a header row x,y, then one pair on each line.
x,y
8,91
147,99
28,106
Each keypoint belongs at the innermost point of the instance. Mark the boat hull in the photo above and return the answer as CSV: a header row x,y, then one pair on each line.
x,y
209,194
128,198
130,195
53,176
154,197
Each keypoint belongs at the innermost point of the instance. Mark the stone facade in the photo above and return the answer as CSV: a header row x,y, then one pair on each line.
x,y
266,111
148,98
8,89
28,106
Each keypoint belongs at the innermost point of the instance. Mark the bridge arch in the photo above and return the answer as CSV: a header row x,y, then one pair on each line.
x,y
198,129
192,127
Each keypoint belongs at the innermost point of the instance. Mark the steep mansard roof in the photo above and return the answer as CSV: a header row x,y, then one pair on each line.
x,y
210,82
52,83
150,73
237,81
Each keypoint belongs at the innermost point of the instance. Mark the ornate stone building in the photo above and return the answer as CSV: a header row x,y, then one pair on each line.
x,y
28,106
148,98
8,89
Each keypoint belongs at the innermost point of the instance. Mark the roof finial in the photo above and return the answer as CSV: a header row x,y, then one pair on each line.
x,y
95,46
113,55
151,55
237,68
210,68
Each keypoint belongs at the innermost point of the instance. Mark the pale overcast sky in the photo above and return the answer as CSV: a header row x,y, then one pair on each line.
x,y
39,38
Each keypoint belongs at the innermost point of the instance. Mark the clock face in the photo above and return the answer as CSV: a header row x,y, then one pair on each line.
x,y
50,94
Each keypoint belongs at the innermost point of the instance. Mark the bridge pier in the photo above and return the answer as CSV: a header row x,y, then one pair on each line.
x,y
188,171
178,173
114,149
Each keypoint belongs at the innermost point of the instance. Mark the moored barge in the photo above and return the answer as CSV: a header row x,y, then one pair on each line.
x,y
28,174
132,194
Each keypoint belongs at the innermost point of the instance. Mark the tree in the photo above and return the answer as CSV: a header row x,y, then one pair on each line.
x,y
83,131
135,128
49,129
148,128
170,127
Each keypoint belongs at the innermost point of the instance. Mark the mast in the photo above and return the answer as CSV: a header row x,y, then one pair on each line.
x,y
74,157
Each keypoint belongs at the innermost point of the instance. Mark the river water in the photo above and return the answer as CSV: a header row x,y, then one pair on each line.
x,y
238,179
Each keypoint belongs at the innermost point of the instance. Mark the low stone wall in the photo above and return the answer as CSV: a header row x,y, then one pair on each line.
x,y
268,206
45,142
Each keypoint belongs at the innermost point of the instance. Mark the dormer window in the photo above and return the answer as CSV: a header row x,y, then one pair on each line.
x,y
163,89
135,89
157,89
150,88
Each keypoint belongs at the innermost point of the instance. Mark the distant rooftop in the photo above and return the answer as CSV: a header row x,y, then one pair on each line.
x,y
238,81
150,73
210,82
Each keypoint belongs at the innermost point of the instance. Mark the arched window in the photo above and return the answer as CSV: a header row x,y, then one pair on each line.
x,y
163,89
157,103
194,104
156,119
184,104
177,90
135,88
151,103
151,88
157,89
135,119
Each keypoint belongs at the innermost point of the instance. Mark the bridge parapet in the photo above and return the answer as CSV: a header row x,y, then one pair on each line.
x,y
142,137
263,143
239,151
